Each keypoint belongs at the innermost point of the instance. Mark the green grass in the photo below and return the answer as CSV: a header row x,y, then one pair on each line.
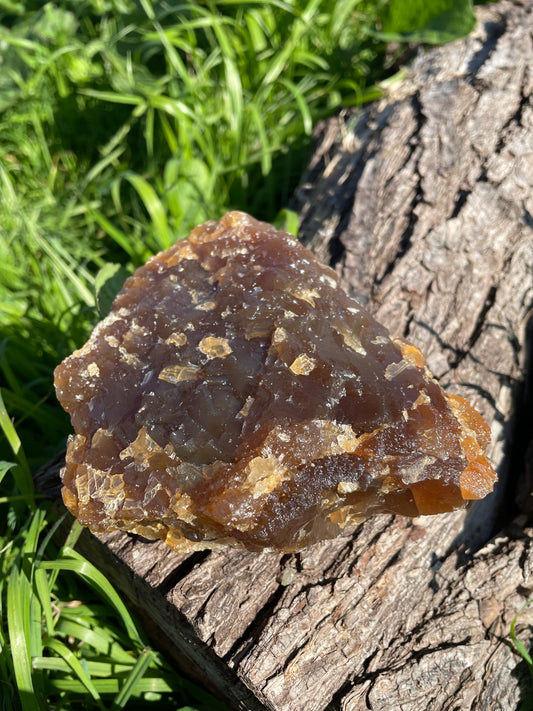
x,y
527,703
122,125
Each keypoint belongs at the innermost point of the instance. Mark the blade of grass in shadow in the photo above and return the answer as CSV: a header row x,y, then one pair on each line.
x,y
60,260
266,150
307,119
109,686
18,621
119,237
153,206
134,677
62,651
4,468
520,647
95,670
21,473
77,626
22,616
73,561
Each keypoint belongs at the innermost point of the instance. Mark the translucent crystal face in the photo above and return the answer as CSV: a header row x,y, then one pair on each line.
x,y
236,396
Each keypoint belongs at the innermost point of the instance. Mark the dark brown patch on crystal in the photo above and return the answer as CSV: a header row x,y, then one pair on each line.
x,y
235,395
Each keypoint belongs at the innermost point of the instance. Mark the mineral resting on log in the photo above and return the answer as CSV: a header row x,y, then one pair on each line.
x,y
236,396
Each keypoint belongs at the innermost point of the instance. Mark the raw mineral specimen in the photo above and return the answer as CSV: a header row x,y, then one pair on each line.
x,y
235,395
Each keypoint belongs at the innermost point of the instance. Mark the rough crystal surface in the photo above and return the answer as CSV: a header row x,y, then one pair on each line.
x,y
235,395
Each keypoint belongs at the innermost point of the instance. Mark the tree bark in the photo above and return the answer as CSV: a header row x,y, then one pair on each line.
x,y
423,203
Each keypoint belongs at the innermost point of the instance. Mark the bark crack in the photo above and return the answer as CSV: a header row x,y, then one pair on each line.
x,y
390,669
516,118
346,197
248,639
494,30
181,571
405,240
477,330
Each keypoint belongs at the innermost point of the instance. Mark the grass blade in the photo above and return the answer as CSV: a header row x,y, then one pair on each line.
x,y
134,677
65,653
4,468
153,205
21,473
75,562
519,645
18,623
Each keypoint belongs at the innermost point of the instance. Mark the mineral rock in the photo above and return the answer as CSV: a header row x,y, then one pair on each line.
x,y
235,395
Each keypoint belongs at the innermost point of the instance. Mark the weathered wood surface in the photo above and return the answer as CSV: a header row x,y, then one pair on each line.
x,y
424,205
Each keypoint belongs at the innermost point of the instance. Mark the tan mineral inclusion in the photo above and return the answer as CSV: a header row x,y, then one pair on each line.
x,y
236,396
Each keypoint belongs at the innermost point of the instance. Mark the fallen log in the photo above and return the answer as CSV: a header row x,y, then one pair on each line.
x,y
423,203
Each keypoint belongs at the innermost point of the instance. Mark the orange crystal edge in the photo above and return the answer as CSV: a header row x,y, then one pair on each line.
x,y
478,478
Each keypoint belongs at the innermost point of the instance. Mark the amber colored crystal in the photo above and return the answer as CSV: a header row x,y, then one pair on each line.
x,y
235,395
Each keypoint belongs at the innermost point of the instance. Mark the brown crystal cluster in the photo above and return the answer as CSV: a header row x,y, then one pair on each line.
x,y
235,395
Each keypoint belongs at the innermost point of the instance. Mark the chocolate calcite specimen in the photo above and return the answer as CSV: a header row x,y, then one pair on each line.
x,y
235,395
